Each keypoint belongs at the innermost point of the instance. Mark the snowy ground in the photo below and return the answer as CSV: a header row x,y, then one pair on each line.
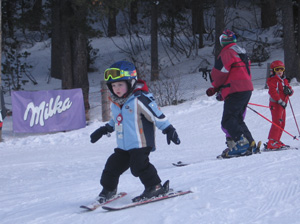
x,y
45,178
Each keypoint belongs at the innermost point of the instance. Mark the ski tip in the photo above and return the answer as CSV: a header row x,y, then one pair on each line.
x,y
86,208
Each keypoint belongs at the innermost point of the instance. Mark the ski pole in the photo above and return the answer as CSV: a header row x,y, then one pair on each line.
x,y
294,116
254,104
294,137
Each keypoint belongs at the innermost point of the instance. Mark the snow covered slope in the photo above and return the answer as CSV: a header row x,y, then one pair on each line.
x,y
45,178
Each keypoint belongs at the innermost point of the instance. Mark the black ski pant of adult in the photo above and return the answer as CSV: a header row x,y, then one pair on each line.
x,y
233,120
135,159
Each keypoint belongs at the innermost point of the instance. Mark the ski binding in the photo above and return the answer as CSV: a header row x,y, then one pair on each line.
x,y
93,206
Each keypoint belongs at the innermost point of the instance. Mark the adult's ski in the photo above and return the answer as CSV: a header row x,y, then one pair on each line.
x,y
93,206
265,149
134,204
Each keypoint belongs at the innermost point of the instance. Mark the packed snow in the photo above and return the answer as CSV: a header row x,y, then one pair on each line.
x,y
44,178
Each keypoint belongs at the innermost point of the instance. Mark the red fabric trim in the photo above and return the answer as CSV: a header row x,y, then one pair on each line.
x,y
144,88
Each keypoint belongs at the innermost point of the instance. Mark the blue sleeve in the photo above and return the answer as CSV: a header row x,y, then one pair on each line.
x,y
160,120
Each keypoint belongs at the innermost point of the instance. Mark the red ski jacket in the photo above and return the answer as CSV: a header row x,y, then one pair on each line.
x,y
231,72
276,84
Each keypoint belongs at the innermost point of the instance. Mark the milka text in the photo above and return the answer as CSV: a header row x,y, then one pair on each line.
x,y
46,110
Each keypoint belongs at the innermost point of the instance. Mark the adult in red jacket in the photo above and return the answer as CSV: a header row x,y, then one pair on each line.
x,y
279,91
231,77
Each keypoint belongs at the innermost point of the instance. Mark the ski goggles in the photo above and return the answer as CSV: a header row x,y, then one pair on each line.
x,y
115,73
279,69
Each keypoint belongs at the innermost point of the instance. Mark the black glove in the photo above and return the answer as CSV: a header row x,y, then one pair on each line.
x,y
96,135
287,90
282,103
171,135
219,96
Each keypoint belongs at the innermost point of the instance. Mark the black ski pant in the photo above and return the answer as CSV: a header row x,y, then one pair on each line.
x,y
233,120
135,159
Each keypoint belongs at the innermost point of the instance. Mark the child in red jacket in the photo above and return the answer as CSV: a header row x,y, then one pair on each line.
x,y
279,91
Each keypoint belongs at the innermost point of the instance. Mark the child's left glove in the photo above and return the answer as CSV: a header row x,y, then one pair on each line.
x,y
172,135
287,91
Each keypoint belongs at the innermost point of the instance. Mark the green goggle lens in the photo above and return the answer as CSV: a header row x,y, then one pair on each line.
x,y
115,73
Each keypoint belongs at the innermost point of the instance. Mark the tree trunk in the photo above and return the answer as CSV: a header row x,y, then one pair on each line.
x,y
134,12
8,8
201,23
56,49
36,13
172,30
79,60
291,59
65,44
219,25
1,123
69,45
268,13
197,16
112,22
154,43
298,28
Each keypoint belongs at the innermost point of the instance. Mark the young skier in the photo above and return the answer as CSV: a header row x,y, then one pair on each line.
x,y
279,91
134,115
231,76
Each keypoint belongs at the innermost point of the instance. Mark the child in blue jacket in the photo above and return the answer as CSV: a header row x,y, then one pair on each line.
x,y
134,115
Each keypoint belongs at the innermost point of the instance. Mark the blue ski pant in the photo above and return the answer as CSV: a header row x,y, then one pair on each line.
x,y
232,120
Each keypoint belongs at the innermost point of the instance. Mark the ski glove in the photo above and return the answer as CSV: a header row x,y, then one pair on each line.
x,y
96,135
211,91
282,103
287,91
219,96
172,135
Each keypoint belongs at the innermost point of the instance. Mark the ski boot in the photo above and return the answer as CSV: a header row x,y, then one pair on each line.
x,y
283,145
106,195
236,149
254,149
153,191
273,145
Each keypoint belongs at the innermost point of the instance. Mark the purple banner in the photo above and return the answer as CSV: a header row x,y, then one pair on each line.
x,y
48,111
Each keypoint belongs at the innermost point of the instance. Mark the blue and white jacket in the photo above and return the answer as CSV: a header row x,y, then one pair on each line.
x,y
139,114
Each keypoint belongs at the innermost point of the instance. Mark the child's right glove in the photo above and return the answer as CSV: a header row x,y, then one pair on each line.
x,y
104,130
211,91
171,135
